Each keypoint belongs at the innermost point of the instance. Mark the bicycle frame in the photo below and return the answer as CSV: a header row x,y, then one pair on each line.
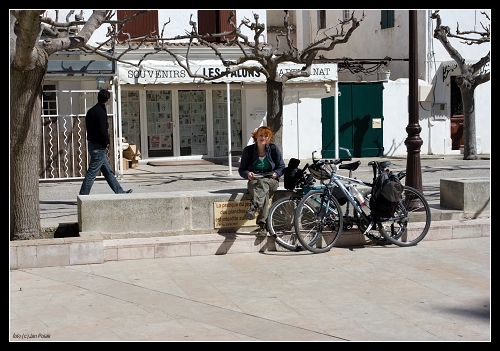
x,y
337,180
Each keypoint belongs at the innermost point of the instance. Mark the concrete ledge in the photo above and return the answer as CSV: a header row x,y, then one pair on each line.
x,y
472,195
56,252
214,244
92,248
182,245
457,229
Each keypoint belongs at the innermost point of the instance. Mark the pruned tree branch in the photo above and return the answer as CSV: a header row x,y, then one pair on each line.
x,y
471,75
442,33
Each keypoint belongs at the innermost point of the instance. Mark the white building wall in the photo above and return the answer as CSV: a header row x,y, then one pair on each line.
x,y
254,102
483,118
369,41
302,136
302,129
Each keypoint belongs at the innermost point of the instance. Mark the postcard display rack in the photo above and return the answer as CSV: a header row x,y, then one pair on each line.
x,y
130,116
219,99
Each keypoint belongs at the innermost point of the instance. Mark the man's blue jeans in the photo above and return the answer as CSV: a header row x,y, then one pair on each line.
x,y
99,161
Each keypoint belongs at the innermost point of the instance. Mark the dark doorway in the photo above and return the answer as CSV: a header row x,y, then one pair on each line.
x,y
457,116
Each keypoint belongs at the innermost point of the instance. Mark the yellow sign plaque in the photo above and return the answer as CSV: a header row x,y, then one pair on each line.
x,y
232,214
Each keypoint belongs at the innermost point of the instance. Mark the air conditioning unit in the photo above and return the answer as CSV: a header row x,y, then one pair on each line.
x,y
425,92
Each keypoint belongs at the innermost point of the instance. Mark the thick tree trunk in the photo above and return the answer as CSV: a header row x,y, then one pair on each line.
x,y
25,134
275,98
469,131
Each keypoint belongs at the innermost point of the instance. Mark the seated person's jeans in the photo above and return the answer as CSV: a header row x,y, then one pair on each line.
x,y
262,190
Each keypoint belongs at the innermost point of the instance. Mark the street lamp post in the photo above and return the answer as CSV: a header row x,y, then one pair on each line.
x,y
413,141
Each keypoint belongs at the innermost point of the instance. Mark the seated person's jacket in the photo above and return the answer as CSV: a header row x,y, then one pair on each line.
x,y
250,155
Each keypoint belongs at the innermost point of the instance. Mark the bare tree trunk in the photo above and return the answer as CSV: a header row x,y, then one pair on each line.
x,y
275,98
470,150
25,134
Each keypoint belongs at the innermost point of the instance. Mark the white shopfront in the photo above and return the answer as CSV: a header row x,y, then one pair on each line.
x,y
172,116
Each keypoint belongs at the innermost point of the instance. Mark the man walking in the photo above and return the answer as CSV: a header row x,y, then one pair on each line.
x,y
97,124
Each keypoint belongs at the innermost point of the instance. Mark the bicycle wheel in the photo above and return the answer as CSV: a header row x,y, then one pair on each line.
x,y
318,226
411,221
280,223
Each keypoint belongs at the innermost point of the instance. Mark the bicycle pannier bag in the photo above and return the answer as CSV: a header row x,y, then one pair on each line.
x,y
386,193
292,174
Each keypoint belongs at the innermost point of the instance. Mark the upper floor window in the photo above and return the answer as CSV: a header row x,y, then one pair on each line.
x,y
321,19
387,19
49,100
346,14
140,26
215,21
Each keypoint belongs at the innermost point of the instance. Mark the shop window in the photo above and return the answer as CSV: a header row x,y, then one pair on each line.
x,y
140,26
387,19
49,100
215,21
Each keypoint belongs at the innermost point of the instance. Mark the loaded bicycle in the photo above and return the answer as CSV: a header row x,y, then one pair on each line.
x,y
319,220
282,211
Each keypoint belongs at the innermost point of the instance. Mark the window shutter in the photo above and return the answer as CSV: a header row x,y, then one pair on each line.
x,y
215,21
387,19
141,26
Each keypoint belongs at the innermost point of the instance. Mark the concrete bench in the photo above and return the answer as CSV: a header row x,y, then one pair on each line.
x,y
472,195
153,214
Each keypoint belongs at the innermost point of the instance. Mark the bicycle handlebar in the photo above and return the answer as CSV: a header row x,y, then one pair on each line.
x,y
335,161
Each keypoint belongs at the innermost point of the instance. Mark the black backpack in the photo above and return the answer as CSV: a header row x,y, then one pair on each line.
x,y
292,174
386,193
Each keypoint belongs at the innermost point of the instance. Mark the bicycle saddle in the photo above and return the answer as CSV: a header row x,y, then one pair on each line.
x,y
350,166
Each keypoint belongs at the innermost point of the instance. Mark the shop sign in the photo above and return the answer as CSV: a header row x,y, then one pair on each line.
x,y
165,72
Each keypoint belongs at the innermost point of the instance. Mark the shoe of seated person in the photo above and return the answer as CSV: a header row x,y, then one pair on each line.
x,y
262,231
250,214
129,191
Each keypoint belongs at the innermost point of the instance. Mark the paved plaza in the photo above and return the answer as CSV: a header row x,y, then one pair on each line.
x,y
439,290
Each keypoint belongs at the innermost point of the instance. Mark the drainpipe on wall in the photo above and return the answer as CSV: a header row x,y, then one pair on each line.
x,y
430,124
336,118
229,149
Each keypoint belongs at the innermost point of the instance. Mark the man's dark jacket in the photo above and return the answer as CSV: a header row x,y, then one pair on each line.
x,y
97,124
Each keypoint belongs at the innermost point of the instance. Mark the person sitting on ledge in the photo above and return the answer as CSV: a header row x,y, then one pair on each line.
x,y
262,164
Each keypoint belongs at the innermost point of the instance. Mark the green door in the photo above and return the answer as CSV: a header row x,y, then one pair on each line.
x,y
360,121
